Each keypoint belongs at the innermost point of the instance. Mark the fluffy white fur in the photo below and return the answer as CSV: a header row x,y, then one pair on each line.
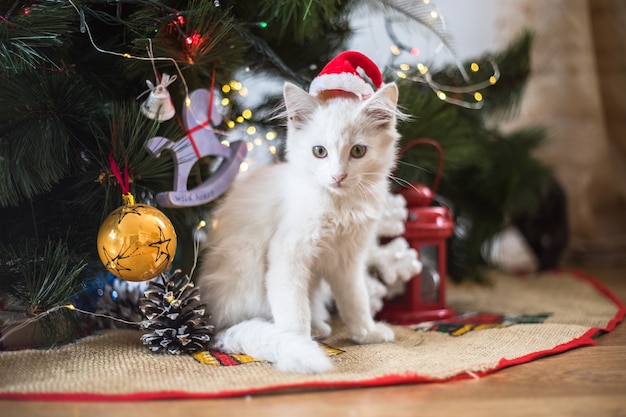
x,y
284,228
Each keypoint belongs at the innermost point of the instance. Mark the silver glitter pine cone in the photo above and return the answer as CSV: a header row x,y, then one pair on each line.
x,y
172,311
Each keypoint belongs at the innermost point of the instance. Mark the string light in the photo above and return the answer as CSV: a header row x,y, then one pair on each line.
x,y
85,28
16,325
450,94
196,242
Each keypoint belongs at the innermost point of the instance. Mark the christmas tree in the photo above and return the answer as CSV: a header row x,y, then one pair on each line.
x,y
80,100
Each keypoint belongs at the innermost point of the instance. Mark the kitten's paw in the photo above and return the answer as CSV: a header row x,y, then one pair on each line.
x,y
320,330
306,358
380,333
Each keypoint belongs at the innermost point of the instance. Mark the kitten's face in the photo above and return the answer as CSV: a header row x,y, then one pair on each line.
x,y
343,145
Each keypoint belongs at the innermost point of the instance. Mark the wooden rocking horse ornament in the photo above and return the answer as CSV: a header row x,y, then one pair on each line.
x,y
200,141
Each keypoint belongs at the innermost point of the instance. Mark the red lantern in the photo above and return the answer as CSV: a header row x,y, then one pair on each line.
x,y
426,230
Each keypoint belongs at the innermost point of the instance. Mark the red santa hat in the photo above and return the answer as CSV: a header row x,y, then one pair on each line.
x,y
341,74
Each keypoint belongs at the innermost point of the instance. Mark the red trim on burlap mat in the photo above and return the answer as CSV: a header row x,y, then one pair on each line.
x,y
393,379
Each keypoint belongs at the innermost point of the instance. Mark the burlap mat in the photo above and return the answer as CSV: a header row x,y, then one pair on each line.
x,y
513,321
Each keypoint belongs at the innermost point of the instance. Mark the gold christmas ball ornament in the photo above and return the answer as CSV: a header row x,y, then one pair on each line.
x,y
136,242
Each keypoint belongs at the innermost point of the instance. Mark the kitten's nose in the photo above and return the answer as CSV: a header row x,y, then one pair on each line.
x,y
339,178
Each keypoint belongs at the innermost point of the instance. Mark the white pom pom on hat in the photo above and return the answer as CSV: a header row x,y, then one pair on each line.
x,y
341,74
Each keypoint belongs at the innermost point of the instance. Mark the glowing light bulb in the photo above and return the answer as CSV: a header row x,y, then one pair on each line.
x,y
401,74
247,114
405,67
230,124
474,67
394,50
243,92
239,119
226,88
492,79
441,95
434,14
272,149
478,96
423,69
251,130
225,101
244,166
258,141
225,143
271,135
249,146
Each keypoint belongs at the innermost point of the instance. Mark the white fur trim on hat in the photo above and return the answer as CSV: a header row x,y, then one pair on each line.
x,y
345,81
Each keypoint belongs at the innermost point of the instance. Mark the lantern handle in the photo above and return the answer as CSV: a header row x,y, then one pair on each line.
x,y
437,146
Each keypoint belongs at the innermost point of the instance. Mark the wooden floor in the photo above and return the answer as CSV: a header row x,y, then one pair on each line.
x,y
589,381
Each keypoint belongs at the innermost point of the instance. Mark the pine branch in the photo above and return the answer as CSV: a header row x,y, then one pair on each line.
x,y
43,119
40,280
36,33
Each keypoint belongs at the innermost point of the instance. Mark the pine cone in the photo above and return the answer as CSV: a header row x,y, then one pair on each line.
x,y
172,310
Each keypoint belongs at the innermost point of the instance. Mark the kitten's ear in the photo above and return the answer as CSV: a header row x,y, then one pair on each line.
x,y
299,104
381,109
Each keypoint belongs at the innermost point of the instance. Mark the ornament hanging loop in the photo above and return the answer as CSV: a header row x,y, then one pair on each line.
x,y
128,199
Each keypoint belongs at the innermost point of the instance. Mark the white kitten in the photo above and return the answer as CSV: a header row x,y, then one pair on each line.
x,y
285,227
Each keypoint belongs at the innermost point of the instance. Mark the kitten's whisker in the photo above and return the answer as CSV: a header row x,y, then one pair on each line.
x,y
420,168
403,183
400,181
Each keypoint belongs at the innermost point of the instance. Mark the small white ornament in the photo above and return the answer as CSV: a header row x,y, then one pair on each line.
x,y
158,106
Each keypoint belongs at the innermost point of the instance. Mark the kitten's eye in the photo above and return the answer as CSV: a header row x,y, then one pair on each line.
x,y
358,151
320,152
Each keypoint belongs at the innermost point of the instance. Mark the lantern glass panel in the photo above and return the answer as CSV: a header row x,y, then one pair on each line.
x,y
429,277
